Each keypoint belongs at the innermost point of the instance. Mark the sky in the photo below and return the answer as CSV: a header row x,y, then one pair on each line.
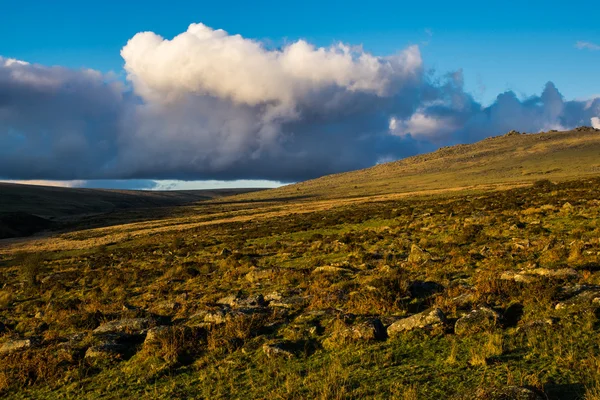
x,y
192,94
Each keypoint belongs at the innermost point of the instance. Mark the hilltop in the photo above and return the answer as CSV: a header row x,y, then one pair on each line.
x,y
509,160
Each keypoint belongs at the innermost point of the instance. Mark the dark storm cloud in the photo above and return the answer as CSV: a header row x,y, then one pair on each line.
x,y
208,105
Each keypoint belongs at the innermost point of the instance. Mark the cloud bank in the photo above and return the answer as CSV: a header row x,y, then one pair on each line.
x,y
210,105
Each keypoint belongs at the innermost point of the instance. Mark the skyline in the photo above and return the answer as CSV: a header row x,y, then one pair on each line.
x,y
280,101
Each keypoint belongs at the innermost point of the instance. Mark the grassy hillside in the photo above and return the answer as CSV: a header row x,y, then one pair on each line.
x,y
28,209
52,202
431,292
511,159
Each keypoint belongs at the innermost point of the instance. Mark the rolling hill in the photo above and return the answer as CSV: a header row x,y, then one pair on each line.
x,y
511,159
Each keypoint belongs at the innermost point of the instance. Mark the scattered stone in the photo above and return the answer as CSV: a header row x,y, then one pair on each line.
x,y
167,307
228,300
583,299
426,320
464,300
418,255
13,345
215,317
478,320
256,275
39,315
134,326
529,276
288,302
276,350
225,252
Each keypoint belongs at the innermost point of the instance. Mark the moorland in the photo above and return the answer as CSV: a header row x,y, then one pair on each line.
x,y
469,273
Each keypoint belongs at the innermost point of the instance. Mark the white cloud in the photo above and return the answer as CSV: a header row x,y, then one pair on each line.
x,y
212,184
587,45
595,122
207,105
423,126
211,62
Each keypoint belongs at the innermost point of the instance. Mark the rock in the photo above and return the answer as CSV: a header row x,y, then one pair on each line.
x,y
39,315
215,317
365,330
288,302
556,273
508,393
478,320
583,299
225,252
133,326
513,133
2,328
520,277
529,276
155,334
276,350
256,275
103,351
166,307
255,301
228,300
464,300
234,301
426,320
418,255
330,269
371,329
14,345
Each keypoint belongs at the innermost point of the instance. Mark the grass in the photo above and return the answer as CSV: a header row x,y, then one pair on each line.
x,y
303,283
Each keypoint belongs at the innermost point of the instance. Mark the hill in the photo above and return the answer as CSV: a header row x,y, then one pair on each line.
x,y
403,281
26,209
511,159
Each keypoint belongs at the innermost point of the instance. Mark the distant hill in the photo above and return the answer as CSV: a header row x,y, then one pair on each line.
x,y
26,209
510,159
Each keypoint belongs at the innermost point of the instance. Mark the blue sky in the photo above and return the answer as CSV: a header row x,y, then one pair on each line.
x,y
255,130
500,45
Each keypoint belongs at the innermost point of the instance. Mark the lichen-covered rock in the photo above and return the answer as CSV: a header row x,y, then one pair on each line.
x,y
584,299
418,255
276,350
478,320
330,269
256,275
531,275
155,334
216,317
15,345
426,320
133,326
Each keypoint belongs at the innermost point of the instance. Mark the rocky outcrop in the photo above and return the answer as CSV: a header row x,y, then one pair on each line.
x,y
478,320
15,345
132,326
426,320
